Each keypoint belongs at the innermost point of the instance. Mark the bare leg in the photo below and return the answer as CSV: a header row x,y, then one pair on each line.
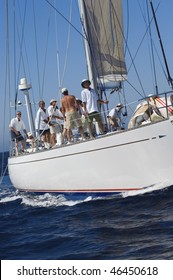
x,y
82,132
33,144
64,135
17,147
68,135
43,139
23,145
47,137
115,123
101,127
53,139
90,131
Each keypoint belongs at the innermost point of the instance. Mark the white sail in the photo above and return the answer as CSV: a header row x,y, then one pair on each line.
x,y
104,43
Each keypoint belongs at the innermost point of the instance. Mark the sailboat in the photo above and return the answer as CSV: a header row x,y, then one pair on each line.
x,y
135,158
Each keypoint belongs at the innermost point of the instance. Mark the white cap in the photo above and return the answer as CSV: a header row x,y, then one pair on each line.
x,y
29,134
52,100
120,105
64,90
84,81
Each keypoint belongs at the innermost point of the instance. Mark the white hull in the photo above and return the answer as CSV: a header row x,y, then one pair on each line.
x,y
118,162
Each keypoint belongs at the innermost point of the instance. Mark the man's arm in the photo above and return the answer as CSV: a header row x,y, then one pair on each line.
x,y
101,101
13,129
85,109
63,108
24,130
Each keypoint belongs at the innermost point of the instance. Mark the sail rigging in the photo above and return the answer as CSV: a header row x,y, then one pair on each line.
x,y
170,80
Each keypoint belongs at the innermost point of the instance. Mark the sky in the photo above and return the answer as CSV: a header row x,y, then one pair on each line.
x,y
41,42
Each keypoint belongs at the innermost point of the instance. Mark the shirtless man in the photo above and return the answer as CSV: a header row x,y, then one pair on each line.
x,y
71,116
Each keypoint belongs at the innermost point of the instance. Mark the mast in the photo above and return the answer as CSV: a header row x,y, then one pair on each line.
x,y
170,81
86,45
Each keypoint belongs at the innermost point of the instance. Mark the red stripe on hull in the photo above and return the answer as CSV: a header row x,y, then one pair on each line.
x,y
83,191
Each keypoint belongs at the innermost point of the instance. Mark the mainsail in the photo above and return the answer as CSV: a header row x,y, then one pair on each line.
x,y
103,29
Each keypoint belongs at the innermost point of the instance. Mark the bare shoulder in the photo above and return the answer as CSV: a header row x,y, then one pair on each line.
x,y
63,100
72,97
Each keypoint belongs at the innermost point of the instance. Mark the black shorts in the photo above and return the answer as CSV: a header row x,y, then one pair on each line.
x,y
94,115
44,132
16,137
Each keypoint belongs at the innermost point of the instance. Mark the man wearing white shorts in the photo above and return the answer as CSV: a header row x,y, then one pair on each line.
x,y
54,116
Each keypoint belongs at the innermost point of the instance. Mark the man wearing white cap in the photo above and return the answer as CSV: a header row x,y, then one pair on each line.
x,y
71,116
90,100
114,117
16,125
54,116
42,124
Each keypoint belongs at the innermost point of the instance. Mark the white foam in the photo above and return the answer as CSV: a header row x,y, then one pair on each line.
x,y
44,200
49,200
8,199
159,186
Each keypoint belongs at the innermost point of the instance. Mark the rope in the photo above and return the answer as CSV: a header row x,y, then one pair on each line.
x,y
35,33
58,59
21,61
3,174
68,44
65,18
44,68
61,79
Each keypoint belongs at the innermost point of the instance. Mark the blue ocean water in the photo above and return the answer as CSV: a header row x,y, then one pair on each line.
x,y
54,227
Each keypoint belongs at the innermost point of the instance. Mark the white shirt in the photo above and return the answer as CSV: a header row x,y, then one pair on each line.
x,y
90,97
39,120
115,113
16,124
55,112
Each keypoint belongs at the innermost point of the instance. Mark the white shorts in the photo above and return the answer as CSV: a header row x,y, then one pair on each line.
x,y
55,128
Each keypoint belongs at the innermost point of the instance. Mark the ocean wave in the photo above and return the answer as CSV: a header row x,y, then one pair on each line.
x,y
159,186
43,200
49,200
10,194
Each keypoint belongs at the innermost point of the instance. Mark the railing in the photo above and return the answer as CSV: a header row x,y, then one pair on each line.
x,y
165,103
